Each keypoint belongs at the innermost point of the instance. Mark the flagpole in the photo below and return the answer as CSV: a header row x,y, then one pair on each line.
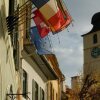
x,y
23,9
22,5
22,20
25,13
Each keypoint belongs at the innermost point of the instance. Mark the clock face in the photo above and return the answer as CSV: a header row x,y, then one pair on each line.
x,y
95,52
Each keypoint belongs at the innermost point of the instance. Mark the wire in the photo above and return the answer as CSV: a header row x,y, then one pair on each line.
x,y
21,11
21,30
22,5
23,15
23,20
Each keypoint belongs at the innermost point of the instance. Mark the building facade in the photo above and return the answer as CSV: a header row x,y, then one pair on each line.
x,y
36,74
91,42
91,66
76,84
23,73
9,74
54,86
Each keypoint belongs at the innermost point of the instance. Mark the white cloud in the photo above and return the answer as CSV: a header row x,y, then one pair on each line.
x,y
62,50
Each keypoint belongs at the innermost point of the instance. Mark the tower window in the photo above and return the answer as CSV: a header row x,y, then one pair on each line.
x,y
95,38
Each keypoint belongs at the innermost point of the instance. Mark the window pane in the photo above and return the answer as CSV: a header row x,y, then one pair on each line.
x,y
24,83
42,94
33,89
13,33
50,91
36,91
53,94
56,96
95,38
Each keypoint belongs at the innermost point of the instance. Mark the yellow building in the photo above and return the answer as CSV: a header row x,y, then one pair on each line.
x,y
76,83
91,66
91,42
54,86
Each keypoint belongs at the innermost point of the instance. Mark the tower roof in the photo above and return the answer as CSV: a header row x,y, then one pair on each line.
x,y
96,19
95,22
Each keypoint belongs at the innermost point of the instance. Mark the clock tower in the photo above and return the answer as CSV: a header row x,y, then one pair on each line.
x,y
91,48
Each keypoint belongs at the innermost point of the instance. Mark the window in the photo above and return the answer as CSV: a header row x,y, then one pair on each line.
x,y
41,94
28,21
53,95
56,96
14,34
35,91
95,38
50,91
24,83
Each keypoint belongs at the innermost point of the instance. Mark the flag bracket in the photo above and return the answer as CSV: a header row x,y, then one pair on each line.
x,y
13,96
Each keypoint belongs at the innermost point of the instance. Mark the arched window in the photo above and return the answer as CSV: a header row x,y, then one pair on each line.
x,y
95,40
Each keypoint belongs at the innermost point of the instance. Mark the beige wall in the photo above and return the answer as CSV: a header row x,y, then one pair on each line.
x,y
52,60
55,90
76,83
8,76
32,74
91,64
87,40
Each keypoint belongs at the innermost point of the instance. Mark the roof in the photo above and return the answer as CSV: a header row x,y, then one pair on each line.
x,y
95,21
42,64
53,60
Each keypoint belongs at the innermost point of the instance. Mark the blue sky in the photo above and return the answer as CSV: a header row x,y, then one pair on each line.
x,y
68,44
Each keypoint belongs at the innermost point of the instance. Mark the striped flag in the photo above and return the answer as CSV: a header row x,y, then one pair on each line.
x,y
40,23
65,13
49,9
67,21
39,3
53,14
